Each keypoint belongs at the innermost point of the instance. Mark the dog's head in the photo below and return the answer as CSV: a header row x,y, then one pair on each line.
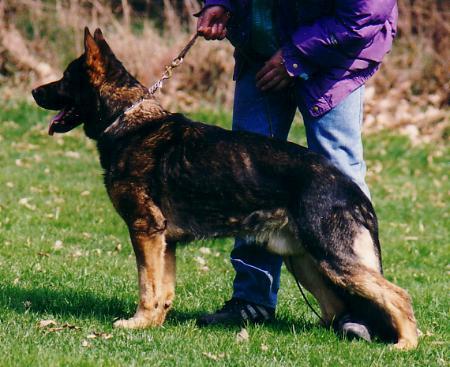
x,y
94,90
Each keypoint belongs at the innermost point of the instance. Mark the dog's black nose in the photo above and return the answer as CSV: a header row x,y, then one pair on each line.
x,y
35,92
38,94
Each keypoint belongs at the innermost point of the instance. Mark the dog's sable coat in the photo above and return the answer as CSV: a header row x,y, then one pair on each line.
x,y
173,180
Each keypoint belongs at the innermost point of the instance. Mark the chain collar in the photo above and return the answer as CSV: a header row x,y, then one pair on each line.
x,y
168,71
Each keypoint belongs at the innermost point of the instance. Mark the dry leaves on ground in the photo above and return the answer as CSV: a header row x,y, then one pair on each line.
x,y
26,203
58,245
85,344
214,357
97,334
242,336
44,324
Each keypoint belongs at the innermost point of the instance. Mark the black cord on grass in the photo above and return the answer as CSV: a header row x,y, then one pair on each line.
x,y
303,293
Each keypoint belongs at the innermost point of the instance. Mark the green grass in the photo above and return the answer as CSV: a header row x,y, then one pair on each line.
x,y
51,190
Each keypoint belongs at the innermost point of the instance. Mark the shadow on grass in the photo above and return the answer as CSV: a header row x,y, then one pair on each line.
x,y
86,304
63,302
281,325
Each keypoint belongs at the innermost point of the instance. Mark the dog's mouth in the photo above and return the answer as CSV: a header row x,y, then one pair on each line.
x,y
65,120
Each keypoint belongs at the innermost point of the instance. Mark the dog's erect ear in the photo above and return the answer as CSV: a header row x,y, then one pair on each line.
x,y
98,35
91,48
94,58
101,42
100,60
86,32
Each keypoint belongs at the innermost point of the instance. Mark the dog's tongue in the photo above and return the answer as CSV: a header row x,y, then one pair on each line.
x,y
57,118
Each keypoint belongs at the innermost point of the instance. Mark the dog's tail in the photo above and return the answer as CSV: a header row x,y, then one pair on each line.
x,y
369,289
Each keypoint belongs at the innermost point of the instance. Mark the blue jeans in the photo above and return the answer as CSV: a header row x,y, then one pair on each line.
x,y
336,135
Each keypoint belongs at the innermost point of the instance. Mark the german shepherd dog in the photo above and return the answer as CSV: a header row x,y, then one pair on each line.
x,y
173,180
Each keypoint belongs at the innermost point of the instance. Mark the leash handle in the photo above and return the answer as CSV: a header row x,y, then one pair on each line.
x,y
177,61
186,49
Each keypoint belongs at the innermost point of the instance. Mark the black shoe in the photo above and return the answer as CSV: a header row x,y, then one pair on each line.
x,y
238,312
353,329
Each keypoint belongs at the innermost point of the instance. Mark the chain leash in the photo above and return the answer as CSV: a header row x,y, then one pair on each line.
x,y
168,70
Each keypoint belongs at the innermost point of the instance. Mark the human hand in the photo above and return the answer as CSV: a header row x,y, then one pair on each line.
x,y
273,75
212,23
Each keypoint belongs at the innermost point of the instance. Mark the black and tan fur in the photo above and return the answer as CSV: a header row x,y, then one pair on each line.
x,y
173,180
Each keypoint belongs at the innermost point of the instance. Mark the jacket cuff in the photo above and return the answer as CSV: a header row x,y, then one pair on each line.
x,y
225,3
294,64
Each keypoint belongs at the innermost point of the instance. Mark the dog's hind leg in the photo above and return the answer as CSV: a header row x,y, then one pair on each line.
x,y
373,287
344,243
370,285
358,274
305,270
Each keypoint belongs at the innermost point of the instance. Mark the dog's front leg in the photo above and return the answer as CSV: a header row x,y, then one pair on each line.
x,y
149,249
147,227
168,281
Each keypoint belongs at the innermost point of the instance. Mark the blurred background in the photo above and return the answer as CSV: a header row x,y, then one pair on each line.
x,y
65,254
410,94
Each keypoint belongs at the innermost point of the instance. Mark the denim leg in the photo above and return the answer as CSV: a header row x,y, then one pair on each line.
x,y
337,136
257,277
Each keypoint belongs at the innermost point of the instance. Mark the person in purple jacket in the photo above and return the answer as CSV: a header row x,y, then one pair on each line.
x,y
314,55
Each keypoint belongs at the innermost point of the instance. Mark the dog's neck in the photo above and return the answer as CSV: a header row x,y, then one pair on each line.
x,y
145,110
115,98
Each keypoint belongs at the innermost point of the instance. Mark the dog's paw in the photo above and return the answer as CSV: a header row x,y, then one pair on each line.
x,y
136,322
405,344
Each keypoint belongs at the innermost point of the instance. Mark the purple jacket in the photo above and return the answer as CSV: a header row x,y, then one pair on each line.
x,y
338,43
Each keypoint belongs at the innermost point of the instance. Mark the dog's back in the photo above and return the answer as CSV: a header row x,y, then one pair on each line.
x,y
209,182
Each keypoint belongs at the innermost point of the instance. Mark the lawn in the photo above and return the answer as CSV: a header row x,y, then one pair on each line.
x,y
65,256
